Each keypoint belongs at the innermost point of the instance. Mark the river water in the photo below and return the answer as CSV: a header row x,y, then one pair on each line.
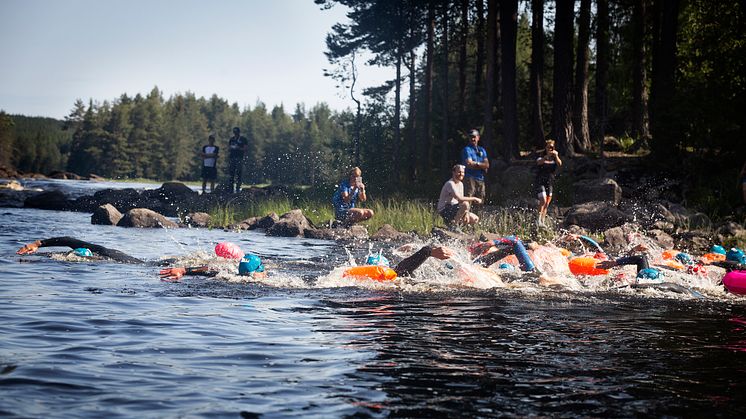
x,y
82,339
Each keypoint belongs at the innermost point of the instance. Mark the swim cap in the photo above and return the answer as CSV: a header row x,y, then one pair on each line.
x,y
649,273
716,248
83,252
506,266
735,255
378,259
228,250
250,264
684,258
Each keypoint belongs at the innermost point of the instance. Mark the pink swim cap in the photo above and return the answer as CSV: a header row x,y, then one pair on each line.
x,y
228,250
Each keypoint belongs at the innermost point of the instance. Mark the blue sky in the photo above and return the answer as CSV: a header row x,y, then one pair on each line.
x,y
56,51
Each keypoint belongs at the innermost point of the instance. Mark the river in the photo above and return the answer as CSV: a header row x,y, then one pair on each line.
x,y
93,339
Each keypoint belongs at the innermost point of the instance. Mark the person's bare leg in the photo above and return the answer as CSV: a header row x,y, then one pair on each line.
x,y
463,209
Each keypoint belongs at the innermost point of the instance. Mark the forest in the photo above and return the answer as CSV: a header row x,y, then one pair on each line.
x,y
664,76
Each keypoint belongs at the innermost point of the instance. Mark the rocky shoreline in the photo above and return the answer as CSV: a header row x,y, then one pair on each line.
x,y
600,206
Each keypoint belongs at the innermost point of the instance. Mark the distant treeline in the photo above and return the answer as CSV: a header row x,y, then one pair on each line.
x,y
666,73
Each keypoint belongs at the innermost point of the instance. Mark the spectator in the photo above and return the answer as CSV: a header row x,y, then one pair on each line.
x,y
547,165
477,163
453,206
237,146
209,156
345,198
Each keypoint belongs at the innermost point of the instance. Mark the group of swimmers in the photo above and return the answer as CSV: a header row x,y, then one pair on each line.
x,y
548,263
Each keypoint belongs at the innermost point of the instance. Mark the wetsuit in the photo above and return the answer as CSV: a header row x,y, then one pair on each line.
x,y
95,248
641,261
408,265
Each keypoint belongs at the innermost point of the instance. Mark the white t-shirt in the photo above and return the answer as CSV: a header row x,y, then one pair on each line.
x,y
448,194
209,161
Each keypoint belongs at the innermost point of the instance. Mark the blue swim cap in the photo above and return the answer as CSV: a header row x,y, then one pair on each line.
x,y
736,255
649,273
506,266
83,252
250,264
716,248
684,258
377,259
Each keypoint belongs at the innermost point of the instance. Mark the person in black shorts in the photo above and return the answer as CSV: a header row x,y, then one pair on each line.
x,y
547,165
209,156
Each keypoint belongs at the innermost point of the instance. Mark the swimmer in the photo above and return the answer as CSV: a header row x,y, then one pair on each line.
x,y
250,265
645,272
76,244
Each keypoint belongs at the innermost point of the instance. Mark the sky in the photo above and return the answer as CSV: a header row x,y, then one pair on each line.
x,y
56,51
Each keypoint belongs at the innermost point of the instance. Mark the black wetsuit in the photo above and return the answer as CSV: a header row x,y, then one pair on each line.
x,y
408,265
95,248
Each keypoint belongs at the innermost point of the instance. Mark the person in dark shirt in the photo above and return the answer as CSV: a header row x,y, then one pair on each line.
x,y
546,165
237,146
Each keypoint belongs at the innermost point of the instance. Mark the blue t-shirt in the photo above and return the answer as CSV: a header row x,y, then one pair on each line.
x,y
476,154
339,203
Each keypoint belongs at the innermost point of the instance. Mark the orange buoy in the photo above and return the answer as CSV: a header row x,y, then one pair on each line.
x,y
709,258
673,264
669,254
585,265
374,272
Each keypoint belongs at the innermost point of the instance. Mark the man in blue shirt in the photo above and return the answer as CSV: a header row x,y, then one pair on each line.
x,y
477,163
347,194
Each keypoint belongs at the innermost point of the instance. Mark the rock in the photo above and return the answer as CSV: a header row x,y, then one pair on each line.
x,y
605,190
693,241
95,177
267,221
52,200
106,215
290,224
247,224
8,173
646,213
731,229
327,233
447,235
197,219
680,214
615,239
662,238
576,229
359,232
664,225
145,218
699,220
515,182
389,233
57,174
126,198
12,185
173,190
596,216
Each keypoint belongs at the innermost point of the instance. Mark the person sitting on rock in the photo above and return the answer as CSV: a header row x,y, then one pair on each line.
x,y
345,198
453,206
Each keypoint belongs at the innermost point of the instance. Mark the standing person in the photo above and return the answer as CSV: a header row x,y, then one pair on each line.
x,y
237,146
348,193
209,156
547,165
742,181
477,163
453,206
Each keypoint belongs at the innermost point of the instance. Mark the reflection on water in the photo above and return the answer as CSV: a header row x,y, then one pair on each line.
x,y
94,339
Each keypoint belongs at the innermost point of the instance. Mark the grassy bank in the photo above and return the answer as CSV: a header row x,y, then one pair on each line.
x,y
403,214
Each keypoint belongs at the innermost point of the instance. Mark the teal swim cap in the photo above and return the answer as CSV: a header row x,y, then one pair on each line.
x,y
736,255
378,260
717,249
83,252
684,258
250,264
649,273
506,266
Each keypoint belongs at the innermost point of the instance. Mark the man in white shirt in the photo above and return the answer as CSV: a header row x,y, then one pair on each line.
x,y
209,156
453,206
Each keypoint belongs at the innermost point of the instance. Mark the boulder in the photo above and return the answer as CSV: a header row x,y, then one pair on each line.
x,y
448,235
197,219
663,239
247,224
576,229
646,213
52,200
604,190
389,233
615,239
106,215
64,175
145,218
693,241
731,229
267,221
290,224
596,216
699,220
515,182
126,198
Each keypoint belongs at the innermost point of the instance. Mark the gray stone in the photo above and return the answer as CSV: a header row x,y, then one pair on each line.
x,y
731,229
107,215
52,200
699,220
389,233
662,238
604,190
596,216
145,218
197,219
615,239
267,221
290,224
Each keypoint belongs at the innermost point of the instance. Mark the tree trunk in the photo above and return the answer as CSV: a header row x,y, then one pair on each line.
x,y
489,102
562,102
445,110
639,74
662,116
602,72
416,151
580,110
397,116
536,79
479,88
428,124
509,97
462,62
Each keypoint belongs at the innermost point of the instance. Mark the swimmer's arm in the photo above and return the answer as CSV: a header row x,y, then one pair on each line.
x,y
407,266
178,272
54,242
